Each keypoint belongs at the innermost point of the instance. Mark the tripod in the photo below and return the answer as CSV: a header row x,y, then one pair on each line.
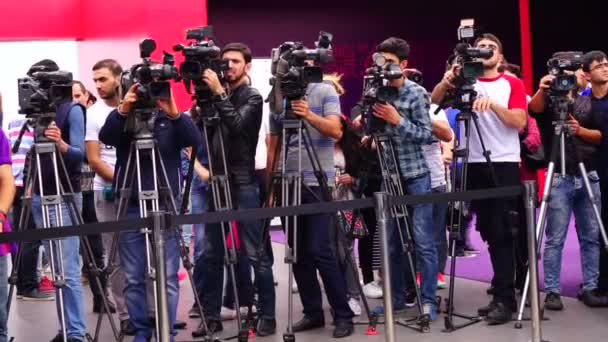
x,y
219,183
562,106
52,204
466,94
394,187
151,199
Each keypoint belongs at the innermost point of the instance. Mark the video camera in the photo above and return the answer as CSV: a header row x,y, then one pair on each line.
x,y
291,74
467,56
152,77
375,90
557,65
199,56
41,92
153,80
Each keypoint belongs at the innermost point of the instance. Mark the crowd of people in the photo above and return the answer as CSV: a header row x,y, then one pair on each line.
x,y
89,133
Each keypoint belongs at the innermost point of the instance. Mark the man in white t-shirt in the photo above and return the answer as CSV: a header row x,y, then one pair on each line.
x,y
501,108
436,155
102,158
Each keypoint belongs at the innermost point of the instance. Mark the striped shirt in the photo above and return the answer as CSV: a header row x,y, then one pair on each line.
x,y
27,141
322,100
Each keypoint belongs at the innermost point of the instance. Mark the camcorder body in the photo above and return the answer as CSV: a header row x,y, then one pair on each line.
x,y
153,84
467,56
199,56
291,73
557,65
39,95
375,90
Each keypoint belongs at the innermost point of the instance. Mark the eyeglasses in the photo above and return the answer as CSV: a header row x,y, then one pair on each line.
x,y
489,46
600,66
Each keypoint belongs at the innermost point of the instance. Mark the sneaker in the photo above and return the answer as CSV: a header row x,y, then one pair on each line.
x,y
441,284
410,298
193,312
227,314
46,285
36,295
500,314
181,275
431,310
354,305
553,302
244,310
373,290
379,310
594,298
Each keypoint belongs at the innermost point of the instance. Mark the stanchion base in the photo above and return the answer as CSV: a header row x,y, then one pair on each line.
x,y
421,324
289,337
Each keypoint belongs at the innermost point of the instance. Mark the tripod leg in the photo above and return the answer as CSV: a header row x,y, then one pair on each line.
x,y
594,202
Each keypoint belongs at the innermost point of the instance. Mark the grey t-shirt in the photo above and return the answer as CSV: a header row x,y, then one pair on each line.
x,y
322,100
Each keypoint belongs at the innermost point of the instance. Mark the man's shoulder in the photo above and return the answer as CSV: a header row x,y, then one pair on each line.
x,y
322,89
412,88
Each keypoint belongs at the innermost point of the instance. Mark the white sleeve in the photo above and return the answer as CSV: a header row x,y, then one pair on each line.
x,y
440,116
92,129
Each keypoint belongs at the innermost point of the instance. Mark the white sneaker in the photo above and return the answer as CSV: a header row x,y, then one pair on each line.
x,y
372,290
353,303
227,314
244,310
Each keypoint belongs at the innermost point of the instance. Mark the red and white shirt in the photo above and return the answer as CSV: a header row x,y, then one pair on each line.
x,y
501,140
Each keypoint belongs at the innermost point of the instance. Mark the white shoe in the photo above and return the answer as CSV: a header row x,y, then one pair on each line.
x,y
244,310
227,314
353,303
372,290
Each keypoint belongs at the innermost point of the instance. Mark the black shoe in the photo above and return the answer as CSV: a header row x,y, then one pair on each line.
x,y
410,298
59,338
98,306
194,313
594,299
500,314
483,311
266,327
343,329
490,290
127,328
213,326
308,324
553,302
179,325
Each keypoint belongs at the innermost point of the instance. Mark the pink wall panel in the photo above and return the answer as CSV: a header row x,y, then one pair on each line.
x,y
36,19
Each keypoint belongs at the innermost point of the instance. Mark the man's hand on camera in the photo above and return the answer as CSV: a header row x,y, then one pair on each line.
x,y
54,133
545,82
210,77
129,99
450,75
387,113
573,125
300,108
482,104
168,106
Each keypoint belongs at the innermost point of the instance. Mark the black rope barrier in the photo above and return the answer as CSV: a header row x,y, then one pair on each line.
x,y
253,214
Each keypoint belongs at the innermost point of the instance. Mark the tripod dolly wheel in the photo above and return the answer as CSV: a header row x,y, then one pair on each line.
x,y
518,325
289,337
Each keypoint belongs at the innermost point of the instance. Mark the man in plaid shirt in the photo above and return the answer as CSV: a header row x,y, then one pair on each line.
x,y
408,125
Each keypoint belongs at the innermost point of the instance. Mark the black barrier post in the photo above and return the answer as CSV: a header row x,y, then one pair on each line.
x,y
159,221
382,217
530,206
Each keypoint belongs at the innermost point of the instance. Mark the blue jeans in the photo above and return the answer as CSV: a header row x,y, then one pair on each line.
x,y
568,195
132,251
198,203
440,211
72,292
211,262
3,298
424,245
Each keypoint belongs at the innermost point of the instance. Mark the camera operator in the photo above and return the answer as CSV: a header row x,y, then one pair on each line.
x,y
240,116
320,111
408,124
595,67
67,131
568,194
501,109
7,193
172,132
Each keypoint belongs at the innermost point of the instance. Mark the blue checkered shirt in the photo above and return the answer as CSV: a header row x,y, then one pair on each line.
x,y
413,131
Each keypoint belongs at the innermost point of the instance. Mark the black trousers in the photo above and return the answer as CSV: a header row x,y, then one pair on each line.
x,y
365,246
88,216
27,279
496,221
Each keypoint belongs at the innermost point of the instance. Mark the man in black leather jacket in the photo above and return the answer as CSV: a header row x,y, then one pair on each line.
x,y
240,115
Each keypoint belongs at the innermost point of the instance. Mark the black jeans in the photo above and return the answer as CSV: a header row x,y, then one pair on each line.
x,y
27,279
88,216
366,245
495,224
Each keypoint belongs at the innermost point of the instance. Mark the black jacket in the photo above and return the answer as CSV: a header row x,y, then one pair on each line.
x,y
240,120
